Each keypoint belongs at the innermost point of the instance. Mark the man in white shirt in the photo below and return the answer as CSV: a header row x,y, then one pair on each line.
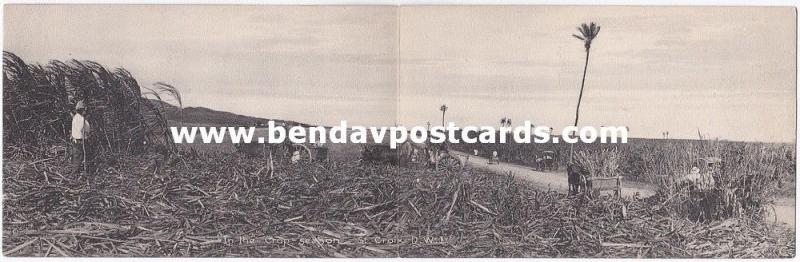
x,y
81,149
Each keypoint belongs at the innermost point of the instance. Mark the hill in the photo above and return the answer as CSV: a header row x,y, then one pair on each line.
x,y
207,116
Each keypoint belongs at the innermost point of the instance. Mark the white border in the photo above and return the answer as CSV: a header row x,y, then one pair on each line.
x,y
795,3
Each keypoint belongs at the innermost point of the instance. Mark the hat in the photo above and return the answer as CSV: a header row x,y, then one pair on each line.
x,y
80,105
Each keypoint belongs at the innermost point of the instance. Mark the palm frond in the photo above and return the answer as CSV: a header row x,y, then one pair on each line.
x,y
588,32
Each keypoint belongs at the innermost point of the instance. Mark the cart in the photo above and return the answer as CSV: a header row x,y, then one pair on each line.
x,y
547,161
284,152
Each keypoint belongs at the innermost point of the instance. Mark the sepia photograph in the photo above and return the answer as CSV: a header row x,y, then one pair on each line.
x,y
399,131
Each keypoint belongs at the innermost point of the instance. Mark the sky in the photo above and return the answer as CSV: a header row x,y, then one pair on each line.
x,y
728,72
308,64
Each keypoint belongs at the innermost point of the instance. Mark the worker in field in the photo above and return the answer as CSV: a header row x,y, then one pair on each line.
x,y
295,156
81,145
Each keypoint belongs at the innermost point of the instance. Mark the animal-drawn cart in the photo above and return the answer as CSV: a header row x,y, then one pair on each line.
x,y
547,160
583,180
596,185
594,172
407,154
284,152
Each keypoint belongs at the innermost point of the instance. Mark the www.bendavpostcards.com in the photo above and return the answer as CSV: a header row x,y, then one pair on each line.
x,y
396,135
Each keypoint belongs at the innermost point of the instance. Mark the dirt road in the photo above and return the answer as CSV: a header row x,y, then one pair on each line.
x,y
548,180
784,212
784,208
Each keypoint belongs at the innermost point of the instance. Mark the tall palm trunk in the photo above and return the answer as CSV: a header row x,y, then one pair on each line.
x,y
443,118
580,96
583,82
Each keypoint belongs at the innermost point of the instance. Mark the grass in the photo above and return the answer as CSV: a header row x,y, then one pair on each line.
x,y
336,152
646,159
38,101
196,205
751,177
206,200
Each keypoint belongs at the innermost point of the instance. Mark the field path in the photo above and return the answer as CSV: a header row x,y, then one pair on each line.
x,y
556,181
784,212
784,207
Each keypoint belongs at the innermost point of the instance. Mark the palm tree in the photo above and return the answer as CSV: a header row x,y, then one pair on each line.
x,y
443,109
588,34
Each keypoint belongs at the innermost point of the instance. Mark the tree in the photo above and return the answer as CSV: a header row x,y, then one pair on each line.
x,y
588,34
505,122
443,109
